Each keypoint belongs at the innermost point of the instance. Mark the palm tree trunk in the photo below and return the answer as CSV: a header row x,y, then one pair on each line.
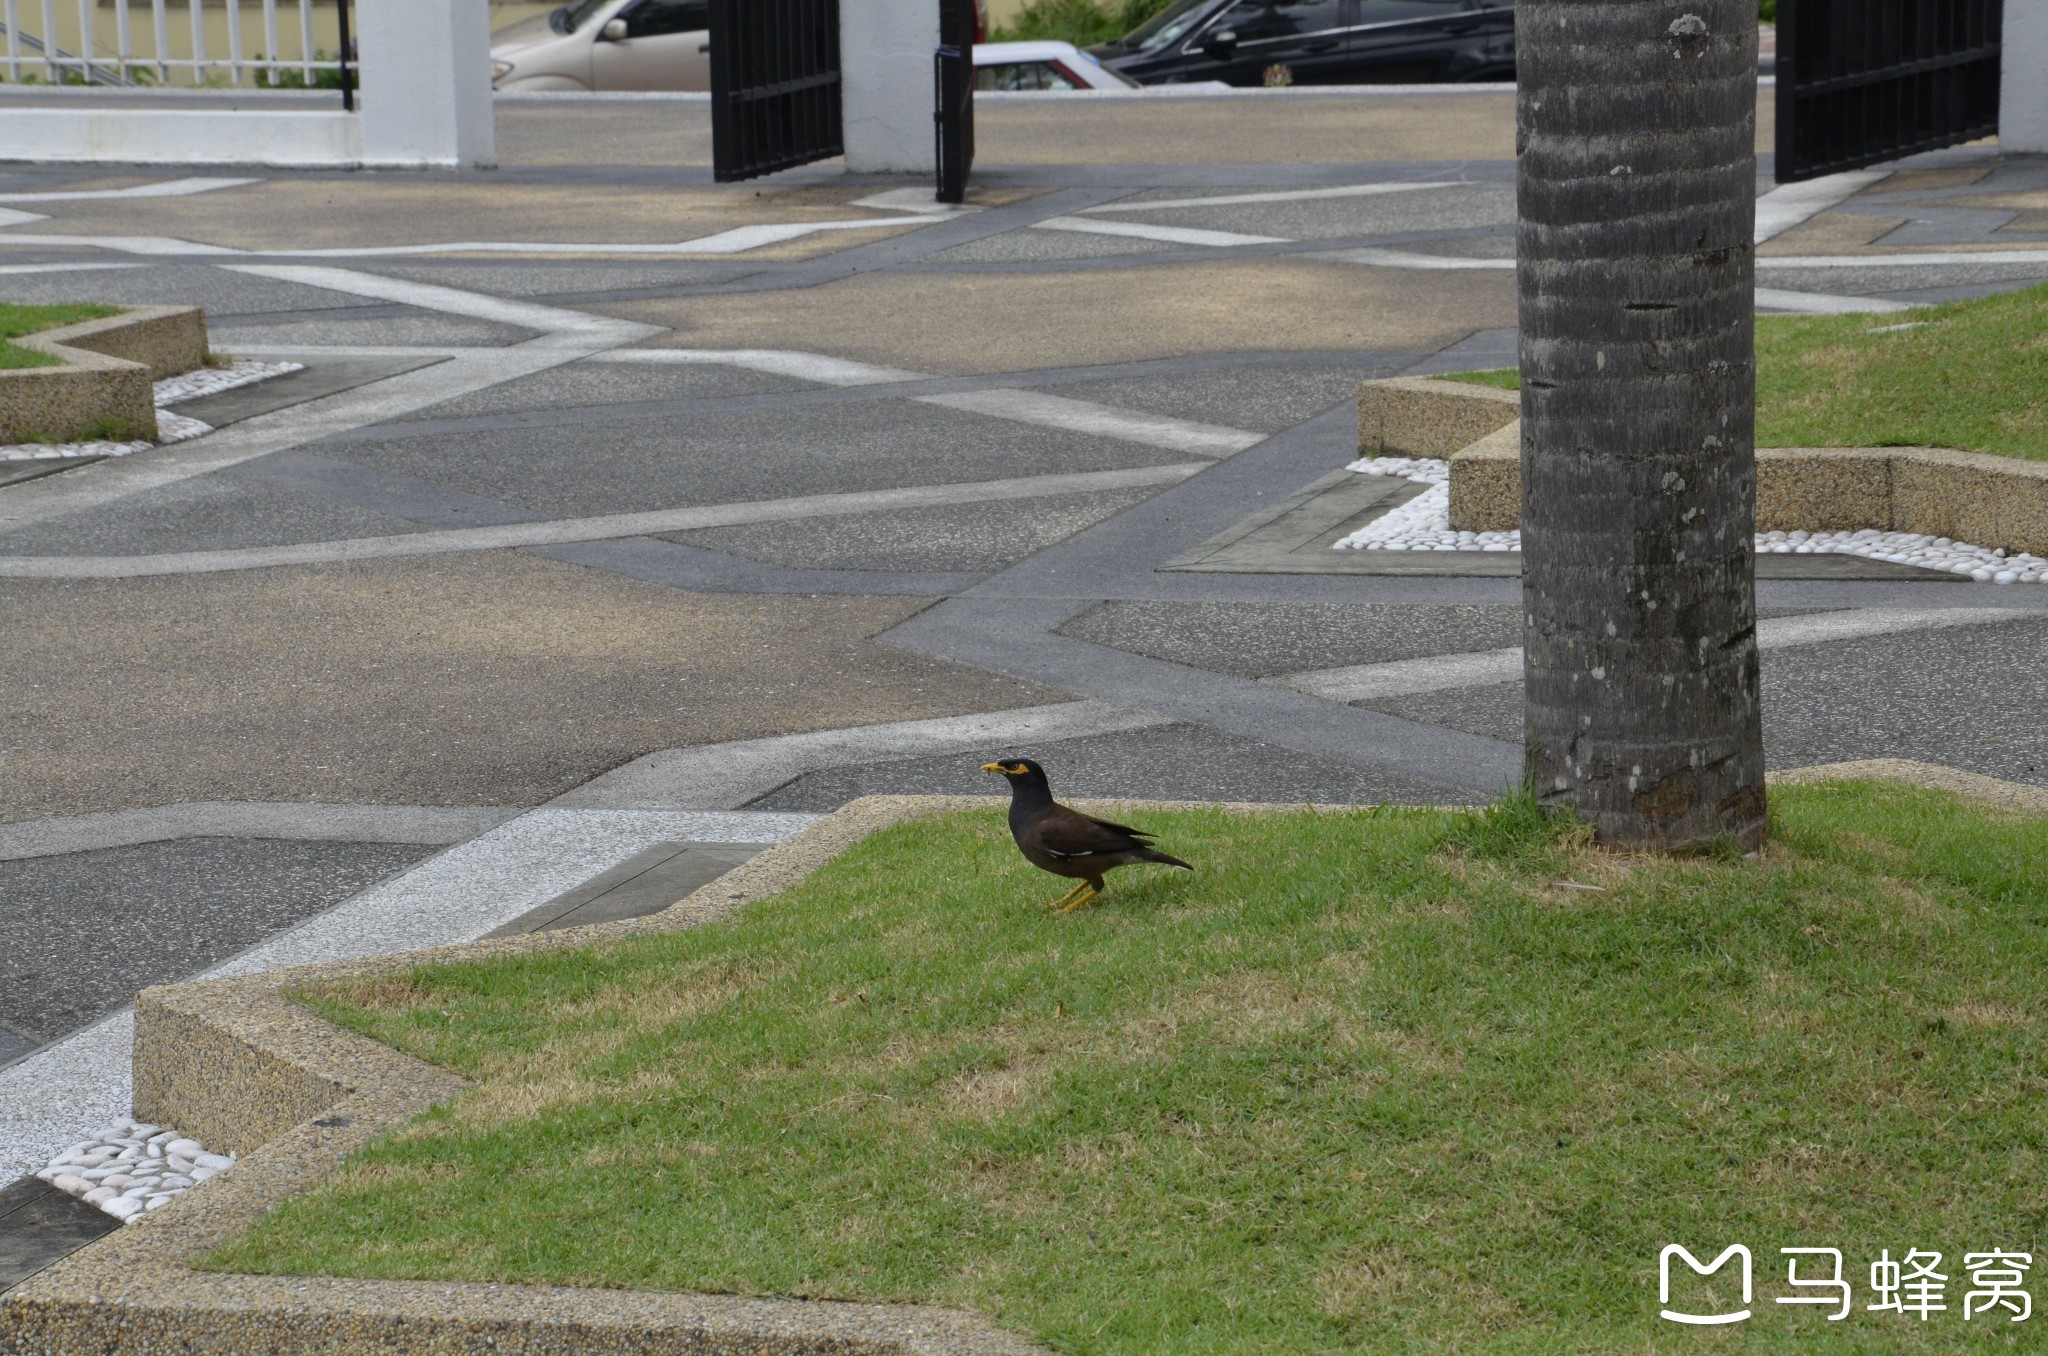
x,y
1636,177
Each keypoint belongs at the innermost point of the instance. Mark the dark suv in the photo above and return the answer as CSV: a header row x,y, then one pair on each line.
x,y
1319,42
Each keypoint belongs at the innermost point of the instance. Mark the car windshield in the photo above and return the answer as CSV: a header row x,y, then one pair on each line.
x,y
1170,25
574,15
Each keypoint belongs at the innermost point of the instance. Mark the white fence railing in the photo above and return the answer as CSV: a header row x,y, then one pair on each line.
x,y
138,42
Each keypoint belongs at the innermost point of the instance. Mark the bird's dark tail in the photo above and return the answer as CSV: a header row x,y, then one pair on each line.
x,y
1155,855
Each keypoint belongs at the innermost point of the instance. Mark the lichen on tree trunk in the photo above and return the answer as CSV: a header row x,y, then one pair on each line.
x,y
1636,182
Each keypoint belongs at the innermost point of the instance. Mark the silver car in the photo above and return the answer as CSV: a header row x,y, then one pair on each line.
x,y
607,45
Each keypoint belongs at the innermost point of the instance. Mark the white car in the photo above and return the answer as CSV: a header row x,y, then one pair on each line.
x,y
607,45
1041,65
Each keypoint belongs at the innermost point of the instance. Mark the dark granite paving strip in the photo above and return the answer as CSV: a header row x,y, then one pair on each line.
x,y
1015,637
40,1225
313,381
159,912
696,570
1368,363
1172,762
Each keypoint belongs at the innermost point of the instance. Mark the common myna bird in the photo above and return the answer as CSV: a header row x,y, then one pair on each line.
x,y
1067,842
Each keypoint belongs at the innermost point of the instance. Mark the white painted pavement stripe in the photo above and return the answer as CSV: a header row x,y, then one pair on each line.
x,y
124,244
1388,258
79,267
1817,303
169,188
738,240
1815,628
1288,195
1477,668
606,528
10,217
713,776
1171,235
1081,416
1788,205
1441,263
1905,260
780,362
452,301
1024,407
438,824
1407,677
53,1097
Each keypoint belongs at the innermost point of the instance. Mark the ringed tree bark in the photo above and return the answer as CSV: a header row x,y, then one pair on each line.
x,y
1636,187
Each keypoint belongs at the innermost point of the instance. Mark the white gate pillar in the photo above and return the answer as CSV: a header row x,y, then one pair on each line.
x,y
2022,93
885,80
426,82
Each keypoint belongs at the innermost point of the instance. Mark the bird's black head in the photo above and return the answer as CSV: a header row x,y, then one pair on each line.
x,y
1027,779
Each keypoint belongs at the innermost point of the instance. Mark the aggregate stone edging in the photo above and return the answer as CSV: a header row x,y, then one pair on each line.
x,y
1987,500
104,385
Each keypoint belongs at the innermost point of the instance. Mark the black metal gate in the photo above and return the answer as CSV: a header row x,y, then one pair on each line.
x,y
953,96
1861,81
774,85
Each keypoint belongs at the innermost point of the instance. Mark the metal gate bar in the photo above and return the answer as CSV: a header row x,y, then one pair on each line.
x,y
1862,81
774,86
953,98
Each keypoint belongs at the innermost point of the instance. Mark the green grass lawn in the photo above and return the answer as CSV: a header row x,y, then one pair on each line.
x,y
1972,374
1399,1081
20,320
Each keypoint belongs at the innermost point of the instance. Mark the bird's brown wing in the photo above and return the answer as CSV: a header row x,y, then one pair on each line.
x,y
1067,834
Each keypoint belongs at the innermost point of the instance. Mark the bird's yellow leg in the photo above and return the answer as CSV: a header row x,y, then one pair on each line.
x,y
1057,905
1071,903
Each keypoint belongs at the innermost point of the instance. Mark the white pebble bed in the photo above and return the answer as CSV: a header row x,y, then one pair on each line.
x,y
212,380
1424,524
129,1169
171,427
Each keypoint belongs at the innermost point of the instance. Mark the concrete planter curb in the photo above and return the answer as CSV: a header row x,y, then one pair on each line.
x,y
1968,496
236,1063
103,389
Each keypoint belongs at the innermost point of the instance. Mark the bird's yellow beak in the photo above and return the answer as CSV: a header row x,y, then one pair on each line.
x,y
995,767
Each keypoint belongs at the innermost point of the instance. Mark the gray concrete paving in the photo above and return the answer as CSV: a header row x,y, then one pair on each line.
x,y
640,464
1174,762
88,929
579,385
1265,398
971,538
1255,640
